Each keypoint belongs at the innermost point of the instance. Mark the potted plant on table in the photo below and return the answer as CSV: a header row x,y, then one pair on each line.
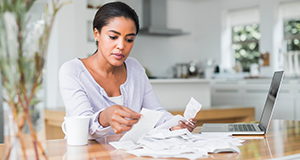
x,y
23,48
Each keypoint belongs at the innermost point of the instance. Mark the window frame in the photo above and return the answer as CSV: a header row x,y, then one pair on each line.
x,y
247,41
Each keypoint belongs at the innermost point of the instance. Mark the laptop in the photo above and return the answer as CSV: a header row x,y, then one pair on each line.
x,y
260,128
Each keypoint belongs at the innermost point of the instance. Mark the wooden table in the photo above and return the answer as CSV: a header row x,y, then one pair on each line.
x,y
282,139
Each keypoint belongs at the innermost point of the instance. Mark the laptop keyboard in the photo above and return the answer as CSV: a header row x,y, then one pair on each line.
x,y
241,127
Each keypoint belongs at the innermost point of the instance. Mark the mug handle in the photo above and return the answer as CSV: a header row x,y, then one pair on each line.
x,y
63,127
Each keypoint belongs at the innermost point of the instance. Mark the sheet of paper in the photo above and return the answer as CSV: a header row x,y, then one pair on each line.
x,y
170,123
173,144
143,140
144,125
192,108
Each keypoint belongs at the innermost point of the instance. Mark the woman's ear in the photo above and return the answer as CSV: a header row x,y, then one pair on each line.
x,y
96,34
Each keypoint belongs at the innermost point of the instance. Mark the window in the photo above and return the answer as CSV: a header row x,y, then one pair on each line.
x,y
240,38
245,44
292,34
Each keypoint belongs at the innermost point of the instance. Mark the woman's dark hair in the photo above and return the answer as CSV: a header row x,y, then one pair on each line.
x,y
112,10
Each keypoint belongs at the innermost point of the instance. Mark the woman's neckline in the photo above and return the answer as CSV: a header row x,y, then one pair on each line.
x,y
126,67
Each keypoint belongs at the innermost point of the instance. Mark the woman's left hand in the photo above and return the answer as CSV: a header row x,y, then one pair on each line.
x,y
186,124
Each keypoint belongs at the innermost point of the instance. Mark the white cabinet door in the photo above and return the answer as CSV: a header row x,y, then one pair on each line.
x,y
284,108
224,96
297,109
297,105
253,93
174,96
256,98
225,93
285,105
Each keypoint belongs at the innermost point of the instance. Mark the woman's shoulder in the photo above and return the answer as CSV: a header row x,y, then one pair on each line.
x,y
70,66
132,62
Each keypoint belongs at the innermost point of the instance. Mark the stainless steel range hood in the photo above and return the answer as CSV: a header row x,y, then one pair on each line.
x,y
155,19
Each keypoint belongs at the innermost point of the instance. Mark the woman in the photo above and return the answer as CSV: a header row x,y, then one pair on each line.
x,y
109,86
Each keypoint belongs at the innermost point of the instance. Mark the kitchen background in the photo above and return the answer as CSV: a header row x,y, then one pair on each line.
x,y
205,22
206,27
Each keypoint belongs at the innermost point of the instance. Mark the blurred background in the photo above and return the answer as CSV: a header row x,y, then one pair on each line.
x,y
215,40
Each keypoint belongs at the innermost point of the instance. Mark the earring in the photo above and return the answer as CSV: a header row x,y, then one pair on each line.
x,y
96,40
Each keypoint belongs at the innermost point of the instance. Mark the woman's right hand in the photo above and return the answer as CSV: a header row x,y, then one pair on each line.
x,y
120,118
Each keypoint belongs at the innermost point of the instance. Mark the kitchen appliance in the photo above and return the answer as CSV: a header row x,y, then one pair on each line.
x,y
155,19
209,69
193,69
181,70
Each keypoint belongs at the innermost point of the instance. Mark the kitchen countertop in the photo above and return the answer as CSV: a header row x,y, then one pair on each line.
x,y
180,80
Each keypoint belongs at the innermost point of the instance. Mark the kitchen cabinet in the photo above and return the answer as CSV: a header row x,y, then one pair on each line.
x,y
174,94
253,92
226,93
297,109
297,105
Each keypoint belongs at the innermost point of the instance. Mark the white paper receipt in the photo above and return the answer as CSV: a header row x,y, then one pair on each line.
x,y
192,109
144,125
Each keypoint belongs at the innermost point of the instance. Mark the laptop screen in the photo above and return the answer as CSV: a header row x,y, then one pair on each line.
x,y
271,100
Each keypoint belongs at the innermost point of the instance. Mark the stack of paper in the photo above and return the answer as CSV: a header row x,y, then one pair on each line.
x,y
179,143
143,140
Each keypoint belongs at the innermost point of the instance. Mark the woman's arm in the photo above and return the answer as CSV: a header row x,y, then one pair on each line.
x,y
76,100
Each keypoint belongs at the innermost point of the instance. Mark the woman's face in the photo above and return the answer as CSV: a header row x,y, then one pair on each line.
x,y
116,39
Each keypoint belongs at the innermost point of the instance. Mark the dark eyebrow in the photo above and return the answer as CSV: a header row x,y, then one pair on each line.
x,y
118,33
131,34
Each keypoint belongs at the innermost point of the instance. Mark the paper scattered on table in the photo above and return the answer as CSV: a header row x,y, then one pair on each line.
x,y
182,144
145,124
191,109
161,142
170,123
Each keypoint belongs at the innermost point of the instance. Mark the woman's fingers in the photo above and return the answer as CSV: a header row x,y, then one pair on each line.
x,y
120,118
118,128
190,125
186,125
128,113
193,120
124,120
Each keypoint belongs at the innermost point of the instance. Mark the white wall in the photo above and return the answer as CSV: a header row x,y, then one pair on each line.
x,y
202,19
62,47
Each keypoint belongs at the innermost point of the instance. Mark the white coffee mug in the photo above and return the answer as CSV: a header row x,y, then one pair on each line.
x,y
76,129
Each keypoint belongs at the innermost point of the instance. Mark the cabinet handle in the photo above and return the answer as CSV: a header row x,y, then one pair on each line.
x,y
257,91
258,82
227,90
226,82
